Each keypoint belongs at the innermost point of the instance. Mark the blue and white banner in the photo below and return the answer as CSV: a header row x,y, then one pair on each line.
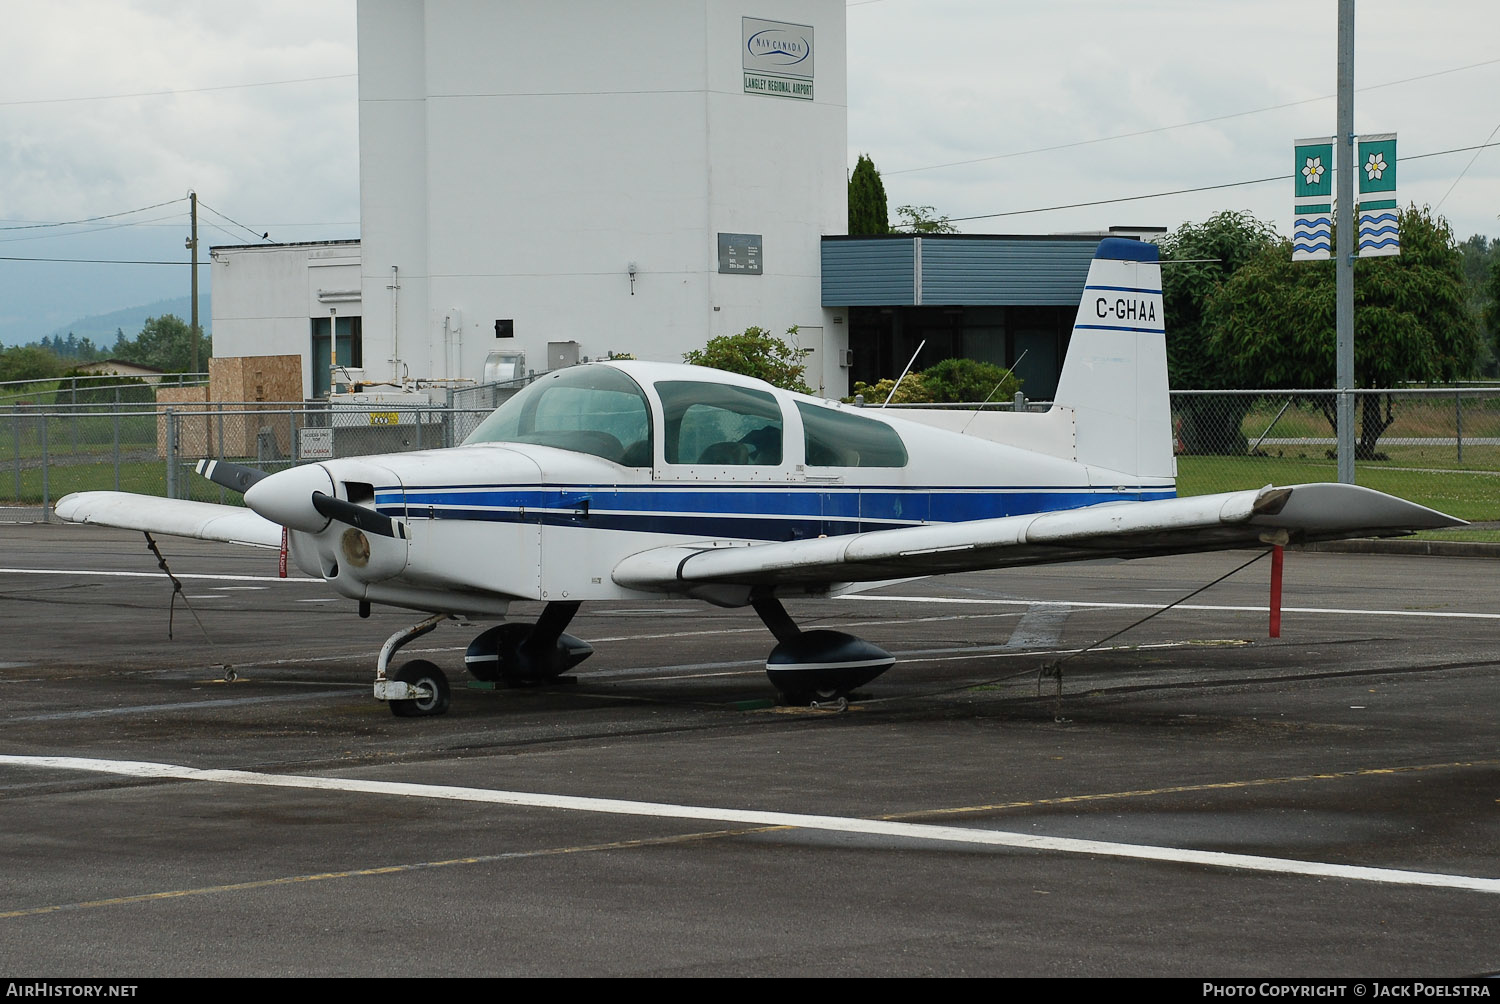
x,y
1312,207
1378,206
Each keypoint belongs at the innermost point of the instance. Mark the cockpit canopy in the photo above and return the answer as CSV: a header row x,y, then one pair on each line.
x,y
586,409
602,411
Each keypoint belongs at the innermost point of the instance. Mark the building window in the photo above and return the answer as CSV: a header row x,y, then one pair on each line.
x,y
350,350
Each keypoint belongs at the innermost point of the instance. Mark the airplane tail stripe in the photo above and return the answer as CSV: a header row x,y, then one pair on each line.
x,y
1118,327
1128,289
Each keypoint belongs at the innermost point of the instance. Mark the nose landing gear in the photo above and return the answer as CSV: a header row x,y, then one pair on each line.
x,y
419,688
516,654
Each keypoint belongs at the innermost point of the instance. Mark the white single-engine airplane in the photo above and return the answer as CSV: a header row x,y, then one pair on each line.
x,y
631,480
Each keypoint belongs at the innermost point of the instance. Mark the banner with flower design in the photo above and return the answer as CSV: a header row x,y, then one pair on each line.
x,y
1377,204
1312,208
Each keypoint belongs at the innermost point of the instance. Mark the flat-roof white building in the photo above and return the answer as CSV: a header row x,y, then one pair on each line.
x,y
282,299
622,177
565,180
535,172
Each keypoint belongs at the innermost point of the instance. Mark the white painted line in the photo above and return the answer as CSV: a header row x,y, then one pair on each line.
x,y
1260,609
157,575
223,702
835,824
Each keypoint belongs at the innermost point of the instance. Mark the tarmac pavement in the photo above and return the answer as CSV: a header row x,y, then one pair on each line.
x,y
1201,800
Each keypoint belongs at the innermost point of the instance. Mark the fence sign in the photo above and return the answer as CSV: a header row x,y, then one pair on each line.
x,y
315,444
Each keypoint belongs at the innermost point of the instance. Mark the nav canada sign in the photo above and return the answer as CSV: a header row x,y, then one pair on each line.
x,y
777,58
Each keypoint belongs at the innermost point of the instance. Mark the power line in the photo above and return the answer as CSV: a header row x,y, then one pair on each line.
x,y
1179,125
954,219
93,219
181,90
105,261
1467,166
154,221
260,237
223,230
1185,191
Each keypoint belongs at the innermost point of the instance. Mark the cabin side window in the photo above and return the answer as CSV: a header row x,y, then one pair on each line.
x,y
836,438
585,409
716,424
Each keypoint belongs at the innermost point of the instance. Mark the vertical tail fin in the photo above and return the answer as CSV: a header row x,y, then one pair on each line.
x,y
1114,377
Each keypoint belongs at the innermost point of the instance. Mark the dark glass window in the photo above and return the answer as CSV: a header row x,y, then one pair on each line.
x,y
718,424
837,438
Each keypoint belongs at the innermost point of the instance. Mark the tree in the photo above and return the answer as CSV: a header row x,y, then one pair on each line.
x,y
922,220
1202,257
913,390
1274,321
28,362
867,211
164,343
1481,259
755,352
951,381
956,381
1492,309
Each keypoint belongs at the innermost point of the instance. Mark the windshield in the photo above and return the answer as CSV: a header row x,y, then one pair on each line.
x,y
586,409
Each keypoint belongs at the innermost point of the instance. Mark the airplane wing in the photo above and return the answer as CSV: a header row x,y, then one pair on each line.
x,y
179,517
1295,514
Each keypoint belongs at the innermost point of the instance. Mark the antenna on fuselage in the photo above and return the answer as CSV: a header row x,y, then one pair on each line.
x,y
992,393
904,372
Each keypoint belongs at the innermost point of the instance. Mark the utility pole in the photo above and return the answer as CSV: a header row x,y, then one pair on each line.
x,y
1343,265
192,243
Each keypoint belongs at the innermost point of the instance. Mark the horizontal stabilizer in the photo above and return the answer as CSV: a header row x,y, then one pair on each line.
x,y
176,517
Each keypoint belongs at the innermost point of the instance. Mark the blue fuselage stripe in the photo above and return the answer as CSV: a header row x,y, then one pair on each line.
x,y
755,514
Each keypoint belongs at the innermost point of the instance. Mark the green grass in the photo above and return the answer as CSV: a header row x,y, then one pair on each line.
x,y
1414,416
1469,495
147,478
1472,496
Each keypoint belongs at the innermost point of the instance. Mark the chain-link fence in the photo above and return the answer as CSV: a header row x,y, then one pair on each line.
x,y
1437,447
45,453
83,434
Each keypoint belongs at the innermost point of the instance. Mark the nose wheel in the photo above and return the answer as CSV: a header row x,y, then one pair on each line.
x,y
417,689
430,686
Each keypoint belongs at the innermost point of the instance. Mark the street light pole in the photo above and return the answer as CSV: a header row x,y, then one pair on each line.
x,y
192,244
1344,244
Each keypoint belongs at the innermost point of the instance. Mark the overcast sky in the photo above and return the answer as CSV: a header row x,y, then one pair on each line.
x,y
974,107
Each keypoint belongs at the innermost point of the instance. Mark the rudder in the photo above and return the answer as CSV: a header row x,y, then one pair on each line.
x,y
1114,376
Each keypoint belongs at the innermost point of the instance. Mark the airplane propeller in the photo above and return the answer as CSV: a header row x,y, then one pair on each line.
x,y
354,515
235,476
